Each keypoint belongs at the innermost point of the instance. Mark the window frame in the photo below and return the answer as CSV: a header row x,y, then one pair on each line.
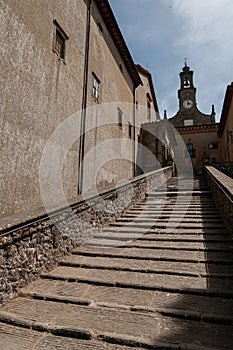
x,y
120,118
95,87
59,41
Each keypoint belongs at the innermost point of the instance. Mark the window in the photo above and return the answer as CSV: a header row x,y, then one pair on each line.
x,y
188,122
191,150
148,106
186,82
100,28
59,41
120,117
95,86
130,130
213,145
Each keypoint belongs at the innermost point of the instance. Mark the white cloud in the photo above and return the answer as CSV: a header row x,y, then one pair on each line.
x,y
205,20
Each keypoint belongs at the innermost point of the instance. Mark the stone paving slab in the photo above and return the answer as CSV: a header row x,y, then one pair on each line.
x,y
99,322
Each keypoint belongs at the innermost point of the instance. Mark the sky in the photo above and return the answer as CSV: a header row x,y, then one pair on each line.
x,y
160,34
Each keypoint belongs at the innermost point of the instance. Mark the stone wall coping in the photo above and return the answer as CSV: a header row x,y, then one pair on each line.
x,y
24,219
223,180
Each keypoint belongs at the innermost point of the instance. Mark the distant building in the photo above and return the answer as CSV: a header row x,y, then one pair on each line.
x,y
198,130
188,113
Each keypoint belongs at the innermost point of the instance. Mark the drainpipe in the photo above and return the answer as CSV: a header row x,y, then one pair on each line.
x,y
84,100
134,121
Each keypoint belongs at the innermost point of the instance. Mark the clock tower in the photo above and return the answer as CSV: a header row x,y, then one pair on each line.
x,y
188,113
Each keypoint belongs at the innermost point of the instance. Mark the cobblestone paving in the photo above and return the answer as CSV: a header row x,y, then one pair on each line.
x,y
136,284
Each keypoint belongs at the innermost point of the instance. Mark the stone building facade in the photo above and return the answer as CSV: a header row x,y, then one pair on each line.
x,y
63,58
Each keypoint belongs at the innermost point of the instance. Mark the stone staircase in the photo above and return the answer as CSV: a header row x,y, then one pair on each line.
x,y
139,283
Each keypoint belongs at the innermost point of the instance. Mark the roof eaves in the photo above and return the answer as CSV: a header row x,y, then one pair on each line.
x,y
111,23
148,74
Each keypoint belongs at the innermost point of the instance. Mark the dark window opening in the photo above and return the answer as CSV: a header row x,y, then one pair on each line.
x,y
149,99
191,150
95,86
59,42
213,145
130,130
120,118
100,27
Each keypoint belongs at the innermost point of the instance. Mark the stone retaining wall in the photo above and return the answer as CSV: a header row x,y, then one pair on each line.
x,y
28,249
226,168
221,186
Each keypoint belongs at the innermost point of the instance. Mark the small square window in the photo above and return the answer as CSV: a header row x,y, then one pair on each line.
x,y
59,41
120,118
213,145
95,86
188,122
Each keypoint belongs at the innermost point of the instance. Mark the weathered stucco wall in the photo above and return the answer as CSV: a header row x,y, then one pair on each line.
x,y
226,139
39,92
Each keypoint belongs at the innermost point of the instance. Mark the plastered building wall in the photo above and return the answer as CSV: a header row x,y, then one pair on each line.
x,y
41,92
226,138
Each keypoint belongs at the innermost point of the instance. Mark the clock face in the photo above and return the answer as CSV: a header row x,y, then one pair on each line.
x,y
188,103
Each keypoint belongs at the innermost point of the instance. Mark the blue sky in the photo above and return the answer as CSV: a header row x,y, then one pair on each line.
x,y
161,33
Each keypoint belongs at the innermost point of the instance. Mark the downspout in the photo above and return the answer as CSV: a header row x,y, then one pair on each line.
x,y
134,126
84,100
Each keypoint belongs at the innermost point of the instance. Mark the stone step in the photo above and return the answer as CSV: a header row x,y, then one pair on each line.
x,y
190,246
182,268
127,297
18,338
147,213
205,232
153,218
163,224
145,280
123,326
179,192
156,255
162,237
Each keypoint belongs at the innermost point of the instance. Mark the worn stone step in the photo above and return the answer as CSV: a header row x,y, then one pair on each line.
x,y
128,297
18,338
177,209
190,246
171,224
148,214
151,254
108,323
162,237
162,231
180,192
154,218
147,280
194,269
